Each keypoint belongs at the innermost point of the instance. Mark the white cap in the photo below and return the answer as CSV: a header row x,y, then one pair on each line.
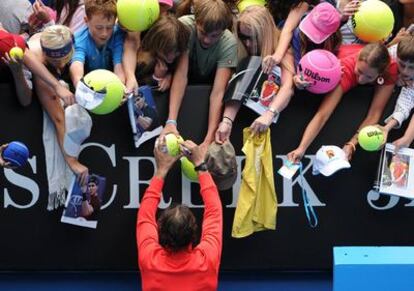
x,y
87,97
78,125
329,159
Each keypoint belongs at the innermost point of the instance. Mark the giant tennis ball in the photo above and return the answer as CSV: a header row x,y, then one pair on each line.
x,y
371,138
187,167
16,53
104,80
323,69
246,3
373,22
16,153
173,144
137,15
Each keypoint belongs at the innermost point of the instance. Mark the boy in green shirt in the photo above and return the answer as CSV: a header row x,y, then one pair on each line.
x,y
211,58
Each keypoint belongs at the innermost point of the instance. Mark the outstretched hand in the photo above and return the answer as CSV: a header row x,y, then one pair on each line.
x,y
196,153
295,156
3,163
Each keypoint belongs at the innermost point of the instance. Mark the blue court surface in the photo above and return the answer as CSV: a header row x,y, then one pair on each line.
x,y
130,281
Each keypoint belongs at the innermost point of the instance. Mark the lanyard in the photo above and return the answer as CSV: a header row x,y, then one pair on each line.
x,y
310,212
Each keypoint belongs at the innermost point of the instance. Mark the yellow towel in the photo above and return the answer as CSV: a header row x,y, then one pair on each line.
x,y
257,203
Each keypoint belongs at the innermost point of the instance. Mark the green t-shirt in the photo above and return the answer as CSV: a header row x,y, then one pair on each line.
x,y
204,62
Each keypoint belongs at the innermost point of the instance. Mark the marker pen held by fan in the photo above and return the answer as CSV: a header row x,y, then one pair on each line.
x,y
302,78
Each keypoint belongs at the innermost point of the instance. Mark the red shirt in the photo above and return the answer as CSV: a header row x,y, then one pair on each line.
x,y
192,269
348,55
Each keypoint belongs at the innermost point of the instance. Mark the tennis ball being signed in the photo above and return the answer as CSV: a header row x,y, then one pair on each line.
x,y
371,138
173,144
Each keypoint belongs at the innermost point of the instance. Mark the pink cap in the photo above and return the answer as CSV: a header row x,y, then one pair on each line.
x,y
166,2
321,22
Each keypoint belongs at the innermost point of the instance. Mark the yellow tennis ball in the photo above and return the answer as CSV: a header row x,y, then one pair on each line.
x,y
173,144
374,21
187,167
246,3
371,138
137,15
99,80
16,53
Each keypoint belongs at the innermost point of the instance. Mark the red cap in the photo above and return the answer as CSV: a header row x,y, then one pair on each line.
x,y
8,41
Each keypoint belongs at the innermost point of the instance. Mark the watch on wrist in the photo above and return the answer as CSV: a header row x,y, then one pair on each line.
x,y
201,167
274,111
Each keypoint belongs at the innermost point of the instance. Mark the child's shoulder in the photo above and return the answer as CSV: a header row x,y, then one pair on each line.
x,y
188,20
82,34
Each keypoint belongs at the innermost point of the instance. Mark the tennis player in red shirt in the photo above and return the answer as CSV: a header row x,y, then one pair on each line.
x,y
167,255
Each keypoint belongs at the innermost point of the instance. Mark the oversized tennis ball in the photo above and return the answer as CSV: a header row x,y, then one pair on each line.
x,y
371,138
16,153
137,15
173,144
187,167
16,53
246,3
374,21
108,82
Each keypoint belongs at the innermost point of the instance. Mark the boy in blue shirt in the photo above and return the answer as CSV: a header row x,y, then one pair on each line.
x,y
100,44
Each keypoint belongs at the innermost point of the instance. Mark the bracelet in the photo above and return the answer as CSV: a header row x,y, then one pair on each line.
x,y
352,145
227,122
226,117
156,78
171,121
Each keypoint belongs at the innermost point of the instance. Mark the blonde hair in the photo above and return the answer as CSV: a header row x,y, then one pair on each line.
x,y
263,28
55,36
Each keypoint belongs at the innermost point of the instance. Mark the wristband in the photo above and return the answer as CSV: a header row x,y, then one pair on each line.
x,y
274,111
201,167
171,121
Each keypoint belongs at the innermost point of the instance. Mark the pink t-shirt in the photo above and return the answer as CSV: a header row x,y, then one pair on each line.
x,y
78,18
348,55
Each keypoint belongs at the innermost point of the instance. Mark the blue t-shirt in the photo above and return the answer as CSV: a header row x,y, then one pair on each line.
x,y
107,57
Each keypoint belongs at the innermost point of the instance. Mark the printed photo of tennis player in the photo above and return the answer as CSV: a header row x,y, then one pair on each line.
x,y
83,204
143,116
396,173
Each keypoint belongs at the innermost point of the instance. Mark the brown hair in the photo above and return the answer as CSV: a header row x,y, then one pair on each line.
x,y
177,228
376,56
212,15
166,35
260,22
105,7
184,7
280,9
70,5
405,50
331,44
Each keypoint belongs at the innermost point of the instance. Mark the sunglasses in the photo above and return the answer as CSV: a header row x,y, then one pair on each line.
x,y
243,37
